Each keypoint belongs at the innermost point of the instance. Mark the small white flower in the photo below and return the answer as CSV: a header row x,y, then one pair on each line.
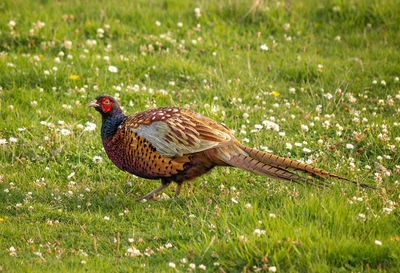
x,y
383,83
179,24
304,128
264,47
3,141
65,132
183,260
289,146
272,269
112,69
258,232
197,12
70,175
247,206
168,245
349,146
171,264
106,218
11,24
158,23
97,159
272,215
306,150
234,200
396,79
202,267
379,243
13,140
192,266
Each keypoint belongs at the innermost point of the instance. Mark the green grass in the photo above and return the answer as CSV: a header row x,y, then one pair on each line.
x,y
58,224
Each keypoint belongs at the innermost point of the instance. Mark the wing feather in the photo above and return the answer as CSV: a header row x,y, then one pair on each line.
x,y
175,132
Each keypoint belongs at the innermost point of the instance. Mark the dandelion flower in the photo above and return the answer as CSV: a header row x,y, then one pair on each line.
x,y
274,93
74,77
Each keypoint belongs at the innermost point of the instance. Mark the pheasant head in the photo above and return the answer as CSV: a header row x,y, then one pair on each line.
x,y
111,113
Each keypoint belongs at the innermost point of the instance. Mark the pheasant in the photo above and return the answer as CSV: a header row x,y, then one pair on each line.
x,y
176,145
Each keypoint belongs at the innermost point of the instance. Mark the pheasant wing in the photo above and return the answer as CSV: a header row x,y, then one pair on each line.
x,y
174,131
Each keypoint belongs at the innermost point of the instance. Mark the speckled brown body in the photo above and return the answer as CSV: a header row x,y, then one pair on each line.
x,y
134,154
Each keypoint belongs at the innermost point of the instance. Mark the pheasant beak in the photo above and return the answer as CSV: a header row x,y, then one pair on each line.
x,y
93,103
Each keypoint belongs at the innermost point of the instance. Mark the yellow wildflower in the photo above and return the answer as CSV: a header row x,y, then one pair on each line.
x,y
1,219
74,77
274,93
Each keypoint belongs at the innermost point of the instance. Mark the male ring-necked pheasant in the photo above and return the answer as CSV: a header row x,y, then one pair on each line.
x,y
176,144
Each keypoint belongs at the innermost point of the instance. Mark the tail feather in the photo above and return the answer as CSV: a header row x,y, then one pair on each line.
x,y
268,164
250,164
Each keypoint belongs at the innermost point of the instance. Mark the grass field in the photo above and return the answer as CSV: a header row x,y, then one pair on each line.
x,y
326,72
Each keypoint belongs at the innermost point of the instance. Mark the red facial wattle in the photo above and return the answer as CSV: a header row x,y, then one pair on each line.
x,y
106,107
105,104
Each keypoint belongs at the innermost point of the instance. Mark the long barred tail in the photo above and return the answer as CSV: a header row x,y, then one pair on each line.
x,y
267,164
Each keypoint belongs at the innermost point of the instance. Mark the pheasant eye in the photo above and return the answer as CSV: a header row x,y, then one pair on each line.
x,y
106,102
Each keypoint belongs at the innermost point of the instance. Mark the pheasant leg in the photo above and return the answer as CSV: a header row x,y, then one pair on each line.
x,y
152,193
178,190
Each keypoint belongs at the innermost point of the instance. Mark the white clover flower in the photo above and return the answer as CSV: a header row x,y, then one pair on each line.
x,y
304,127
106,218
158,23
259,232
112,69
264,47
172,265
13,140
202,267
3,141
11,24
192,266
272,215
197,12
97,159
379,243
306,150
272,269
179,24
349,146
168,245
247,206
